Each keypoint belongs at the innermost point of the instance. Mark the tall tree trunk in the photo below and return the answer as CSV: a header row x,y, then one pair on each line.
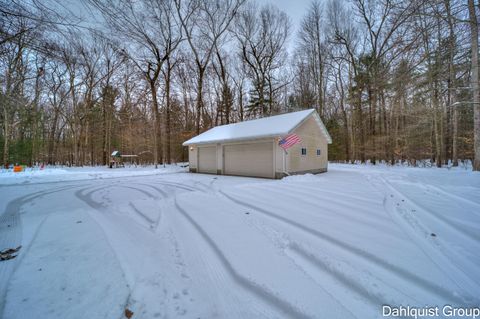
x,y
452,93
345,129
35,119
360,123
199,99
6,134
261,96
104,133
167,113
153,90
475,86
51,138
455,137
374,119
438,126
240,101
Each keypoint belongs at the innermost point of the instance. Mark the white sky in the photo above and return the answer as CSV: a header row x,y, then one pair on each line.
x,y
295,9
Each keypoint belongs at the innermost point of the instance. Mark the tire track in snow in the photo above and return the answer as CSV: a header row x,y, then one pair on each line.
x,y
349,282
219,282
203,188
150,221
439,217
371,258
301,256
470,235
11,235
164,195
305,259
439,257
178,185
160,191
87,198
257,290
313,191
450,195
206,188
107,178
152,224
332,192
370,221
205,270
148,194
457,197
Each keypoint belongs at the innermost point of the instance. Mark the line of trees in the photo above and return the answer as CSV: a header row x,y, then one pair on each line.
x,y
393,80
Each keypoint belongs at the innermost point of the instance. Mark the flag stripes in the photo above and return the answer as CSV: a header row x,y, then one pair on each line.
x,y
289,140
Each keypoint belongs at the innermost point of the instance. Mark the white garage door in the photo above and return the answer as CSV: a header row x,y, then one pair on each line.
x,y
254,159
207,159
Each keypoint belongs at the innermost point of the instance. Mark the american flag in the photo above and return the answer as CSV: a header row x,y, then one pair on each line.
x,y
289,140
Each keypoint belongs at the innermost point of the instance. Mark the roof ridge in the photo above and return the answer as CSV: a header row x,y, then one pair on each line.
x,y
265,127
263,118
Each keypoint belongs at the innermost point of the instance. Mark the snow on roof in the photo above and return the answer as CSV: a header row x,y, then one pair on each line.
x,y
272,126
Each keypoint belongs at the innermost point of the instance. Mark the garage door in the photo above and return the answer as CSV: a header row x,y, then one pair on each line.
x,y
254,159
207,159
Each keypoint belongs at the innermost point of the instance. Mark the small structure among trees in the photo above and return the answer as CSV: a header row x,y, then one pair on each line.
x,y
117,159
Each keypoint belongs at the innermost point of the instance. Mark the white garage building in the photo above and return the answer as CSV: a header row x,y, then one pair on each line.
x,y
251,148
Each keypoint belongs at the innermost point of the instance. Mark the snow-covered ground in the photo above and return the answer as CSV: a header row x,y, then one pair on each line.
x,y
169,244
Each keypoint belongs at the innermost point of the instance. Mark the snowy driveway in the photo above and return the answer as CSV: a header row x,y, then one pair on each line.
x,y
168,244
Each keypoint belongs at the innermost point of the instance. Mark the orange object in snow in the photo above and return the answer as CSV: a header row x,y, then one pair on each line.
x,y
17,169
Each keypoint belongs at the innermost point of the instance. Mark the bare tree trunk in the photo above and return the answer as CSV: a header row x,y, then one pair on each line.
x,y
360,123
104,133
345,129
6,134
167,113
475,86
340,88
35,118
200,110
373,118
452,93
437,118
240,97
153,89
455,137
52,135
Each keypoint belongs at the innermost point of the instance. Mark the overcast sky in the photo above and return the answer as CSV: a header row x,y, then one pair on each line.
x,y
295,9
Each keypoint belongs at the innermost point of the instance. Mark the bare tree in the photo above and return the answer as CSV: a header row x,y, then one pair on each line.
x,y
13,83
225,95
452,75
204,23
344,35
262,36
156,35
312,42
